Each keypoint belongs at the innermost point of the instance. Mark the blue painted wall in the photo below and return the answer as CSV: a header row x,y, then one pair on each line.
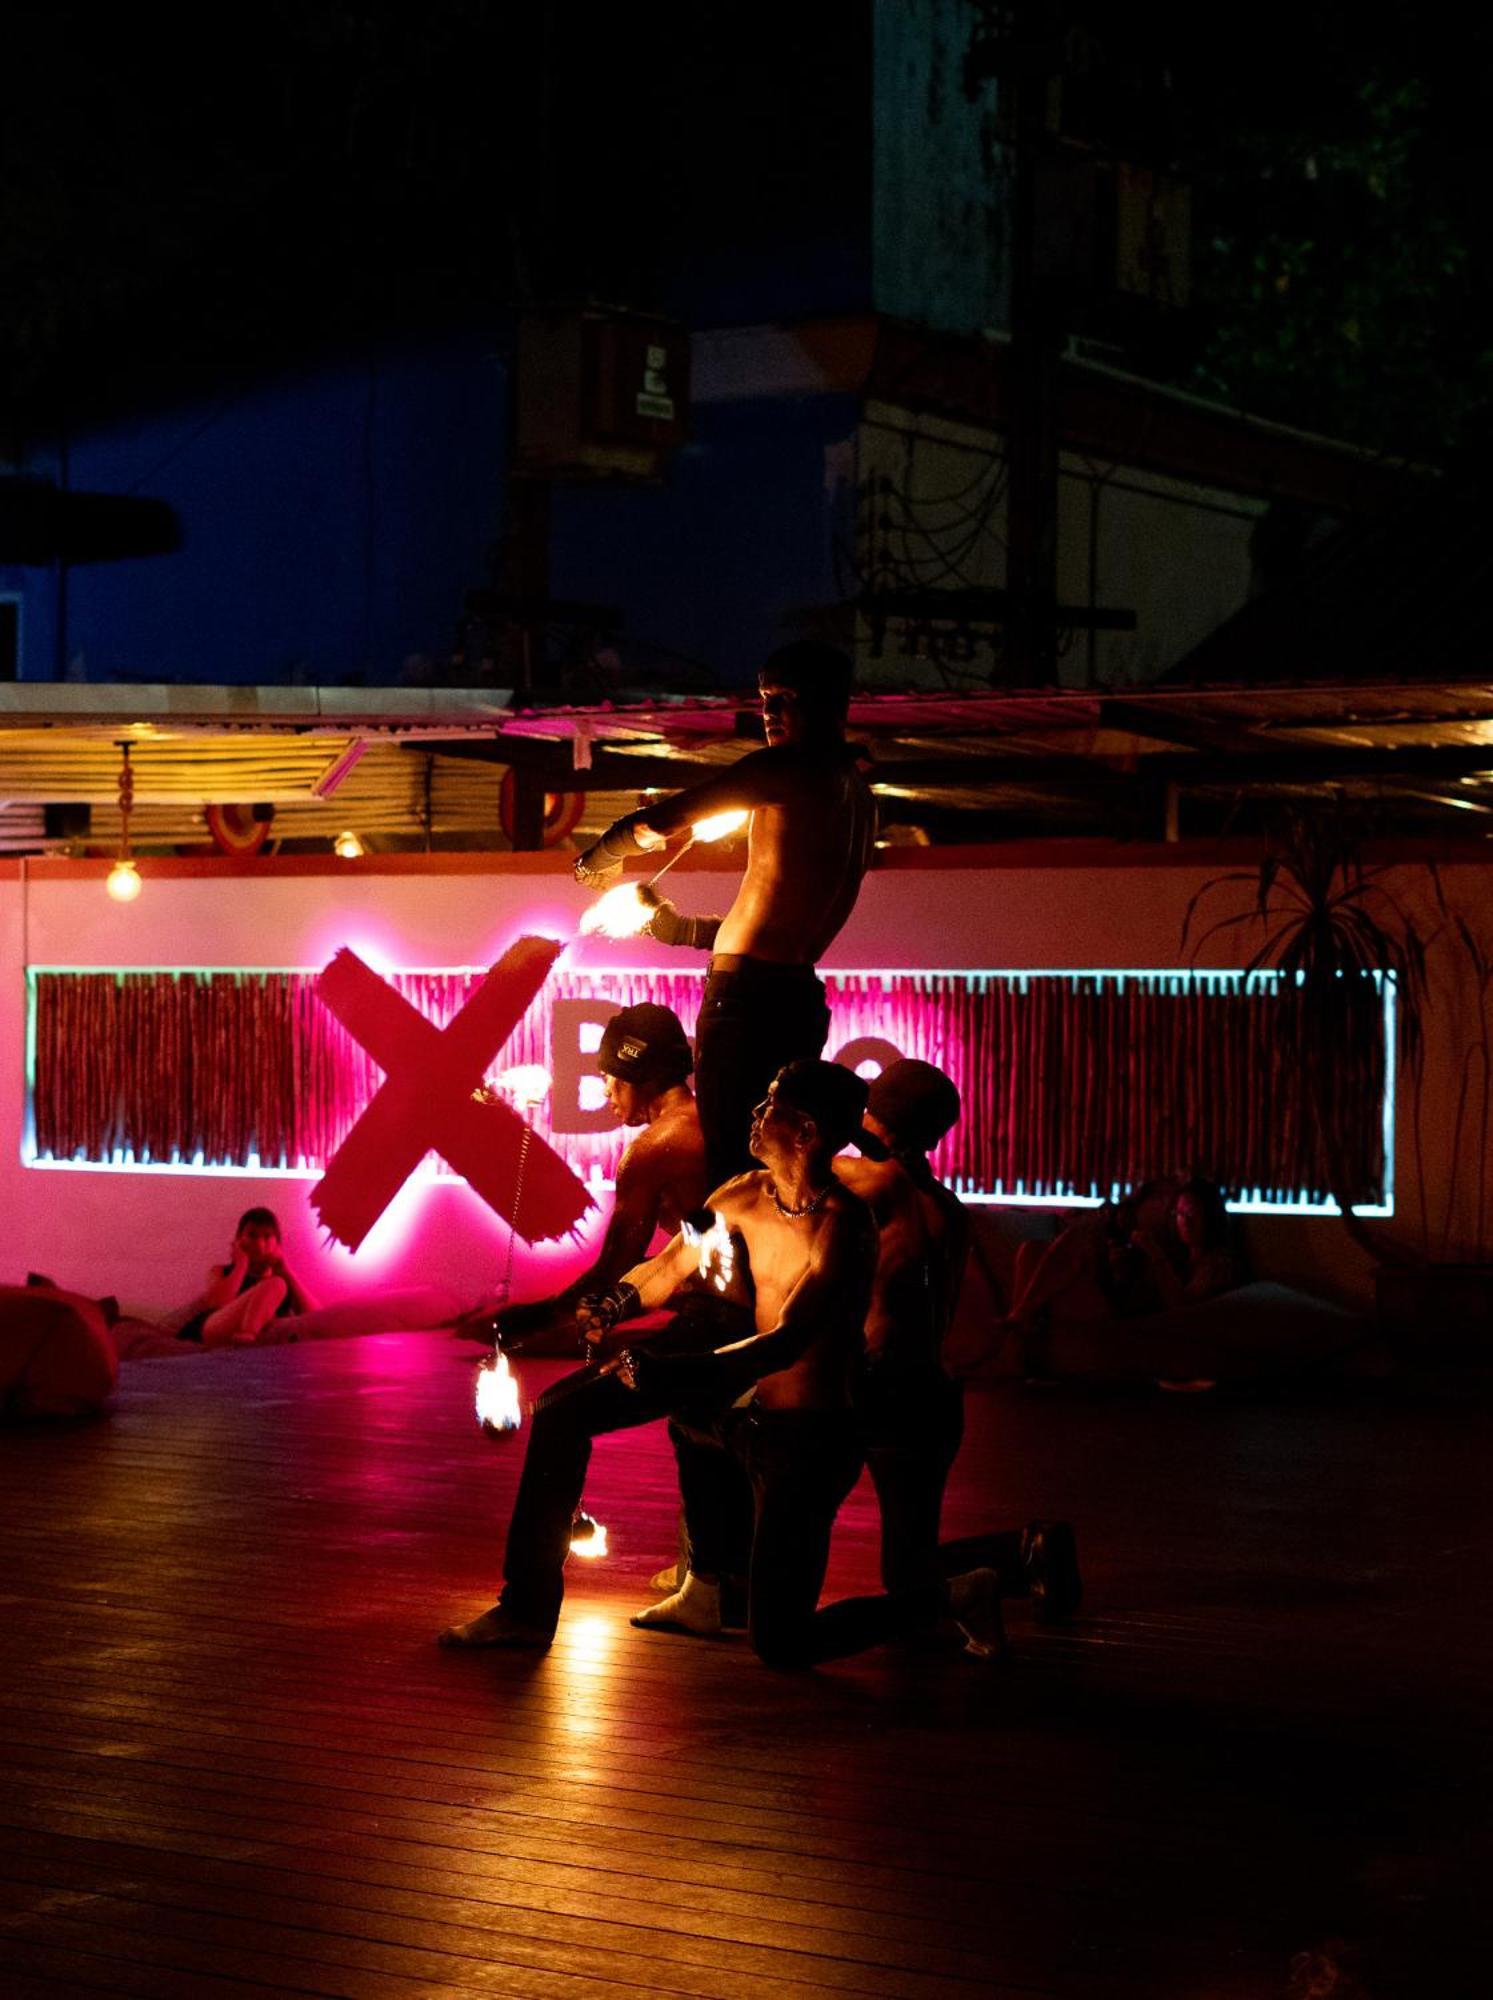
x,y
712,565
331,526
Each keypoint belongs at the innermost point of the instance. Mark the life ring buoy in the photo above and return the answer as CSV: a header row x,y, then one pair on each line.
x,y
562,811
238,829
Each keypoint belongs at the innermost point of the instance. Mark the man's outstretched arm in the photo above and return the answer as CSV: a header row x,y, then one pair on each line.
x,y
629,1231
758,779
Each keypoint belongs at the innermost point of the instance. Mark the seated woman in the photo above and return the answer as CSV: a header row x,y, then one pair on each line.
x,y
252,1288
1191,1262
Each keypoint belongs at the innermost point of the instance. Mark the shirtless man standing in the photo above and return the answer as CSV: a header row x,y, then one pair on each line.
x,y
644,1059
813,824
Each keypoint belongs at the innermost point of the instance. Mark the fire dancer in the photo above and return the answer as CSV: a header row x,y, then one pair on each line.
x,y
812,826
809,1242
645,1059
798,1440
911,1409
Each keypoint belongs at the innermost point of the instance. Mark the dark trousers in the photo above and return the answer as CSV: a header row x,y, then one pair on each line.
x,y
783,1475
583,1408
754,1017
912,1424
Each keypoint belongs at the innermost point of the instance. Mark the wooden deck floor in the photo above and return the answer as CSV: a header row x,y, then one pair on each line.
x,y
235,1764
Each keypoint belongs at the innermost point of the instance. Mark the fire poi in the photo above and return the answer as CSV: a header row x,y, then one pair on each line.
x,y
498,1408
625,911
588,1537
706,1232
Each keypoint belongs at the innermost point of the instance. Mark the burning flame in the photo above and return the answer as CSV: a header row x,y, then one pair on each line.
x,y
497,1396
712,1242
718,825
588,1538
621,912
526,1083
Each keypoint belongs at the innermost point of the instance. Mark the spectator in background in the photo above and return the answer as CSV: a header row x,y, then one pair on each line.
x,y
255,1286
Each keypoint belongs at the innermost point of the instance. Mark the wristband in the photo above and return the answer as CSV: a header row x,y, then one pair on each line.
x,y
622,1302
669,927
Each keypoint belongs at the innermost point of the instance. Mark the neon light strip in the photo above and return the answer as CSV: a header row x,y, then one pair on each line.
x,y
1259,1202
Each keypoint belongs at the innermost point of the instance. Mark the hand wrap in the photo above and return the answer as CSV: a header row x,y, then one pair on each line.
x,y
605,1309
601,864
669,927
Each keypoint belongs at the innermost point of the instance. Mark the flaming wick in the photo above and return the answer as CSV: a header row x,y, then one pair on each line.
x,y
717,826
706,1232
526,1083
624,911
588,1538
497,1396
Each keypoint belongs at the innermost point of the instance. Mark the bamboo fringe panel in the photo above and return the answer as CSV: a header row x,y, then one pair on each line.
x,y
1070,1082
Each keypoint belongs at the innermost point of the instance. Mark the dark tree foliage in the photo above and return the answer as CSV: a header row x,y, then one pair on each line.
x,y
1343,271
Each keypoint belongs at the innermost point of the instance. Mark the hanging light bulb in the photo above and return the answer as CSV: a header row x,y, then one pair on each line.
x,y
123,882
348,845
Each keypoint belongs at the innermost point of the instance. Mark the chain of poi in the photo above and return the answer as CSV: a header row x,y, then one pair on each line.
x,y
505,1283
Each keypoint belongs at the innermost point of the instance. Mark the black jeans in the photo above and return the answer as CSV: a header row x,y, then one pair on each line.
x,y
912,1424
558,1452
754,1017
799,1466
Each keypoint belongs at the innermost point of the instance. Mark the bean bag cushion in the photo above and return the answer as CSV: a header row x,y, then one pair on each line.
x,y
56,1356
411,1311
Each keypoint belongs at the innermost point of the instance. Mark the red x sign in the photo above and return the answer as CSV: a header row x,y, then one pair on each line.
x,y
429,1099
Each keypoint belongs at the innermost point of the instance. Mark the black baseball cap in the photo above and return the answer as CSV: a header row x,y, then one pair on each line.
x,y
915,1101
645,1044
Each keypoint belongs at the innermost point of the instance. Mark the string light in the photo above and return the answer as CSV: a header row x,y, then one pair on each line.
x,y
123,882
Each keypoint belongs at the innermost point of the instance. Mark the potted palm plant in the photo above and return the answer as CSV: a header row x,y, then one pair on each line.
x,y
1333,927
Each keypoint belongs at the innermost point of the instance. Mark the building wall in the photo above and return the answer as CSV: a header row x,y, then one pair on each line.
x,y
331,525
149,1237
932,514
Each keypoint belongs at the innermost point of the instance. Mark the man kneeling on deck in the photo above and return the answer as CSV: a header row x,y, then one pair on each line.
x,y
911,1409
811,1248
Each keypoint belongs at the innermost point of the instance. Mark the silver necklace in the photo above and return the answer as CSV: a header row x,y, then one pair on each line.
x,y
809,1207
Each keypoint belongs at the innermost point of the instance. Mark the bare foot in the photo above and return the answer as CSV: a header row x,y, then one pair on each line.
x,y
497,1628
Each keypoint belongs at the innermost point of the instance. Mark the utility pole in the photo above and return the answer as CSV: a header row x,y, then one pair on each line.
x,y
1019,44
1026,77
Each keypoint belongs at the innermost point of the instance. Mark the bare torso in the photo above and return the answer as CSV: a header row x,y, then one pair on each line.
x,y
922,1242
780,1250
813,829
668,1159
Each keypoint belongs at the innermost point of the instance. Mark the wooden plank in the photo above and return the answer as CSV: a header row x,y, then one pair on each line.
x,y
230,1740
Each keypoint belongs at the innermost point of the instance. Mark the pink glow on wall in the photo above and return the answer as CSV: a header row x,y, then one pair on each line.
x,y
375,943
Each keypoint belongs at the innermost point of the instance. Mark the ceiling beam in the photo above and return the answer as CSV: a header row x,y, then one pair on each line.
x,y
609,771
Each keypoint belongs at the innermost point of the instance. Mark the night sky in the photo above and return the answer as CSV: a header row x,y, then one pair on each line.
x,y
261,183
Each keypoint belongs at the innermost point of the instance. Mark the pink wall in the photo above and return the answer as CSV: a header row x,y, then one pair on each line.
x,y
148,1237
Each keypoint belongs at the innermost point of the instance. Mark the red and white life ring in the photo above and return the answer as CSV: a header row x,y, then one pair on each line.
x,y
238,829
562,811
